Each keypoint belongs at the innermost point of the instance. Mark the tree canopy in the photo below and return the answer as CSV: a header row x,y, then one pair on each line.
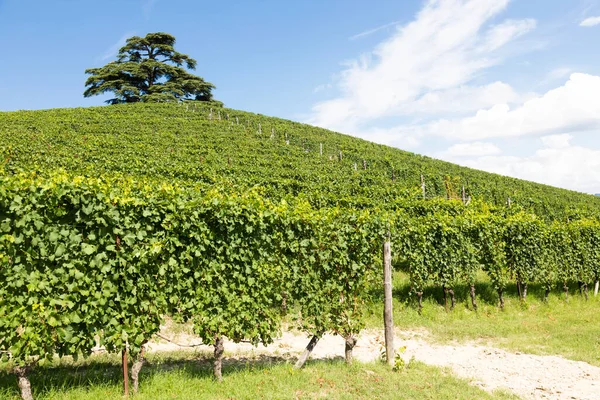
x,y
148,69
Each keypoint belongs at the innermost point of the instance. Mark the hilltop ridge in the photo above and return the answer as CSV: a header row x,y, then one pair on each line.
x,y
196,142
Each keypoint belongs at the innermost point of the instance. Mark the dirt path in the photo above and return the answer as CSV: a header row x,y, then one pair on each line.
x,y
529,376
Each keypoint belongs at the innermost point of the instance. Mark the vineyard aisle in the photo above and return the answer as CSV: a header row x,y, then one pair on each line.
x,y
528,376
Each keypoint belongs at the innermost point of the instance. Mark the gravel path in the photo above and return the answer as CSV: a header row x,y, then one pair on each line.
x,y
529,376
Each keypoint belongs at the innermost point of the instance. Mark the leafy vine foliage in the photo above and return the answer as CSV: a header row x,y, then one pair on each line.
x,y
109,258
234,221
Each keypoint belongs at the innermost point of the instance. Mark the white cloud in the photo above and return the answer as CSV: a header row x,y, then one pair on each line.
x,y
561,141
399,136
555,74
557,163
462,99
147,7
114,48
591,21
321,88
371,31
499,35
444,48
572,107
470,150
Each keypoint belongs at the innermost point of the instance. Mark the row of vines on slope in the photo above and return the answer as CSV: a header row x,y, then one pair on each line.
x,y
445,249
82,258
184,143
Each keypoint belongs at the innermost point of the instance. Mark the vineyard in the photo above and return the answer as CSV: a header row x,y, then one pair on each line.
x,y
113,218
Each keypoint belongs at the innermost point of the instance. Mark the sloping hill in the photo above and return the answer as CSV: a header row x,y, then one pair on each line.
x,y
191,143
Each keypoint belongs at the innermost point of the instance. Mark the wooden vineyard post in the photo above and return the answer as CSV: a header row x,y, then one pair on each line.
x,y
464,196
423,185
125,372
388,320
321,149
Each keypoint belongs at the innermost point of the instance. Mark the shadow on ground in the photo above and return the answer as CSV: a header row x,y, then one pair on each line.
x,y
104,370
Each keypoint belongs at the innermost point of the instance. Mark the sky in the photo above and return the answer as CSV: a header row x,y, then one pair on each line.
x,y
507,86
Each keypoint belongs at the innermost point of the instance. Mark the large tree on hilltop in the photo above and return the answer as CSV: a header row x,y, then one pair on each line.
x,y
148,69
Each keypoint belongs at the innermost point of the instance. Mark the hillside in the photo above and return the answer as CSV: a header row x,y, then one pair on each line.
x,y
186,143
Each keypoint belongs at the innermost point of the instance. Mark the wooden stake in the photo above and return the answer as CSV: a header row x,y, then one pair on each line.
x,y
464,195
259,129
388,320
596,288
237,121
355,167
364,164
321,150
508,202
423,185
210,115
341,156
125,372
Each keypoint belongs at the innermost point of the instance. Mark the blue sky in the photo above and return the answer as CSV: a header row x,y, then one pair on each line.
x,y
507,86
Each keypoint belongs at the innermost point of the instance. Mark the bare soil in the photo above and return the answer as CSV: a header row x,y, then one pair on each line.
x,y
526,375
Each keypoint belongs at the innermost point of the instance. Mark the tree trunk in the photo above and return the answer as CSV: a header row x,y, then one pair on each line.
x,y
420,298
445,297
473,297
546,294
284,307
501,298
309,348
136,368
350,343
452,298
566,289
519,290
24,383
218,358
585,290
525,292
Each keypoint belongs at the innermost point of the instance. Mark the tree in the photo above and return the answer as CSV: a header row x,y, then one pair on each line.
x,y
148,69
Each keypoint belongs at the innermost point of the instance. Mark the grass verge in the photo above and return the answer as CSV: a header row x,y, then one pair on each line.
x,y
557,327
185,376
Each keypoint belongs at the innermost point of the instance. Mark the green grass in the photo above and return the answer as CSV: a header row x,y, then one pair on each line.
x,y
182,376
558,327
